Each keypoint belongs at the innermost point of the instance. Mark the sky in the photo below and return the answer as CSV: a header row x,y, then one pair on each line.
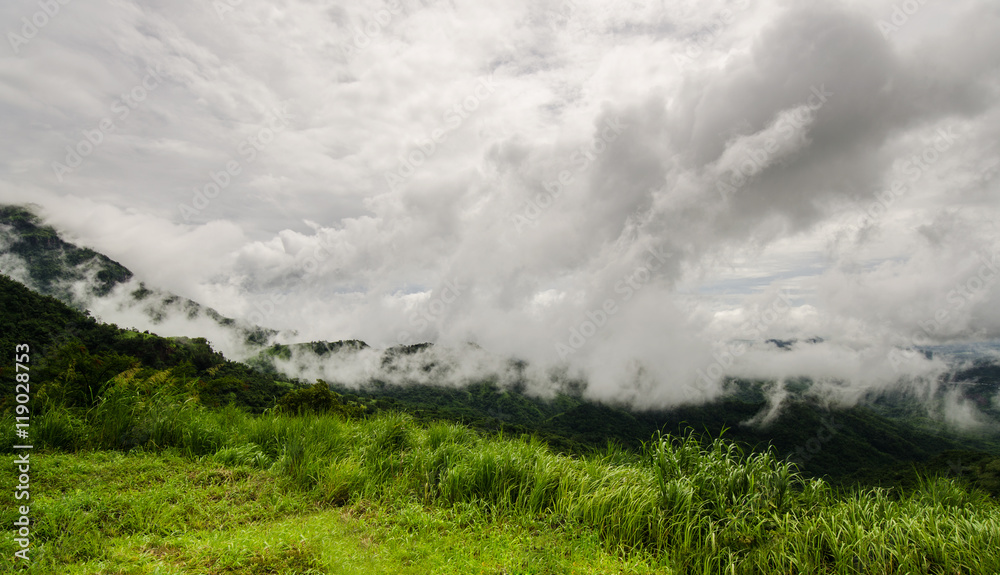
x,y
638,193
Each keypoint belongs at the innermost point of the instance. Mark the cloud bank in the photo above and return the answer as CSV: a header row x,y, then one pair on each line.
x,y
626,191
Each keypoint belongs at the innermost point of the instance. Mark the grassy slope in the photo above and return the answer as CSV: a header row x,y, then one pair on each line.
x,y
319,494
865,444
108,513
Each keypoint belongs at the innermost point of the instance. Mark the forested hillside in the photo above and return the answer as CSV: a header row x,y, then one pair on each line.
x,y
34,254
79,355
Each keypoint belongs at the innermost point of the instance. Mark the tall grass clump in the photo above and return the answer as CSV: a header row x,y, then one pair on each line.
x,y
248,455
500,474
304,447
114,421
58,428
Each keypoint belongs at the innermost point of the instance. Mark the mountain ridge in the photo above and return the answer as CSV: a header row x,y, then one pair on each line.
x,y
34,254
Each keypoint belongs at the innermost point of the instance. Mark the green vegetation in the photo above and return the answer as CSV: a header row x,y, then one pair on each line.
x,y
158,455
53,263
846,446
318,398
222,491
108,512
76,355
54,266
874,443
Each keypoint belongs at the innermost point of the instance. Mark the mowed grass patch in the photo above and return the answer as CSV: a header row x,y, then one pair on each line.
x,y
80,502
369,538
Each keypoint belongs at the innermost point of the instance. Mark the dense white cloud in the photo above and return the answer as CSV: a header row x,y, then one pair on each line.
x,y
509,174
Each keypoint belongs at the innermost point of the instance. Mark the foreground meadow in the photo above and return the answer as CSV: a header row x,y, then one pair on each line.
x,y
198,490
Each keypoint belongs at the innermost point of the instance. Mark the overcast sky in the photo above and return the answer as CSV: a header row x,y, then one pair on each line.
x,y
623,187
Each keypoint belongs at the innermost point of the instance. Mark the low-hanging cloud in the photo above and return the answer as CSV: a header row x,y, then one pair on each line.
x,y
680,201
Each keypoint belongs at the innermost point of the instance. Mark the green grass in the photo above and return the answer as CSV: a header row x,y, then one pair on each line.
x,y
221,491
101,512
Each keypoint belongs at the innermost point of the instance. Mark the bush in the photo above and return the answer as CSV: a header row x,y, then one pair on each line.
x,y
318,398
58,428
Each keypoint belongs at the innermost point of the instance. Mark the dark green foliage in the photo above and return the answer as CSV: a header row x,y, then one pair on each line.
x,y
219,318
161,353
322,348
235,383
71,377
975,469
391,354
141,293
858,444
280,351
51,260
37,320
265,360
259,336
54,265
318,398
73,356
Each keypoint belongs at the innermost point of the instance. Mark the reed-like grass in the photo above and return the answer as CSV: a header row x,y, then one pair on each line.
x,y
699,506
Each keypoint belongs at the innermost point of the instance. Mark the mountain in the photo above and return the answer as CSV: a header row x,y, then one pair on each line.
x,y
82,354
875,441
34,254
